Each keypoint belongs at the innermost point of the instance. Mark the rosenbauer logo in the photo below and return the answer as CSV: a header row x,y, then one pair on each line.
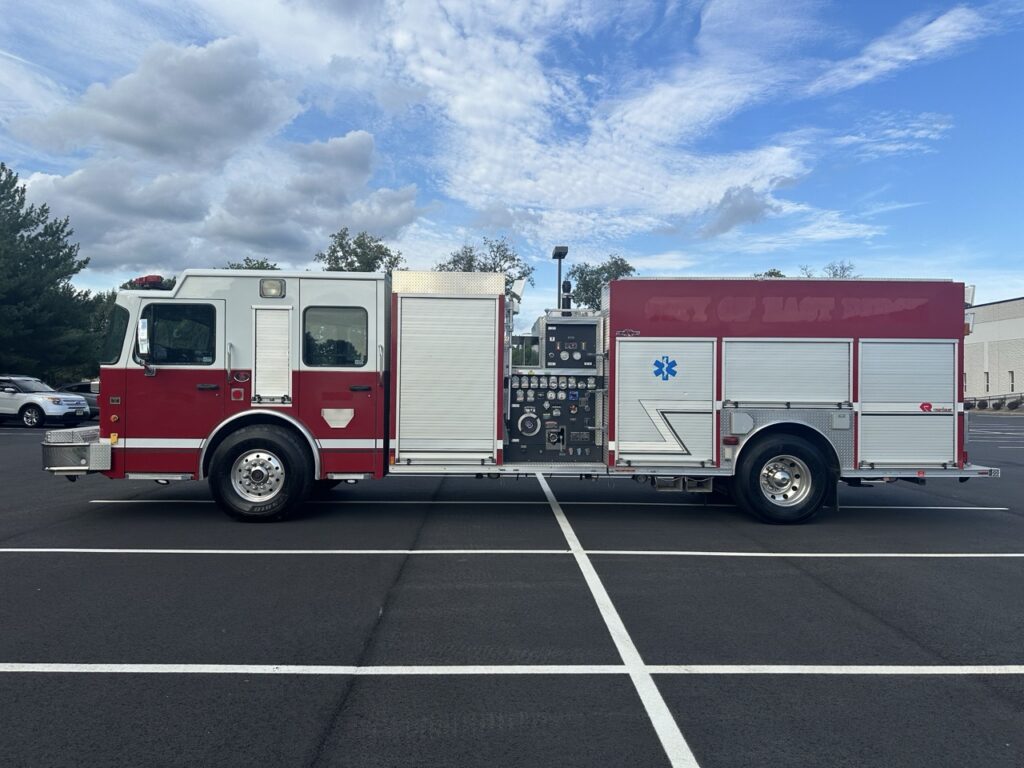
x,y
929,408
926,407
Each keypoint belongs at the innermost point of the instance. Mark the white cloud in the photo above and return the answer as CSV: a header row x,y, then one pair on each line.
x,y
916,39
887,134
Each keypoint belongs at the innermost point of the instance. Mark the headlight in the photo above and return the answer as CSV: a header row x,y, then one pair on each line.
x,y
54,400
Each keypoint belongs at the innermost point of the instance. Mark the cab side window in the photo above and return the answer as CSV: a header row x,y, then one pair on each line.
x,y
181,334
335,337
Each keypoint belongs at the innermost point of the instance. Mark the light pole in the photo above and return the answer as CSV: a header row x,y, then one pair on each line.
x,y
558,254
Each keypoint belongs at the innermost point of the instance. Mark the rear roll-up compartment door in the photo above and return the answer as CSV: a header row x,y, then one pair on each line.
x,y
908,403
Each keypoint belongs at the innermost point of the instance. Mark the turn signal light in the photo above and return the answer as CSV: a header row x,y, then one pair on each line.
x,y
730,440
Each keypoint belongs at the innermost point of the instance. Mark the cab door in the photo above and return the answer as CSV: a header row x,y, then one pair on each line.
x,y
340,388
172,404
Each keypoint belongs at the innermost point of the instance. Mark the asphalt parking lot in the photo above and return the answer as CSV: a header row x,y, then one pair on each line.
x,y
450,622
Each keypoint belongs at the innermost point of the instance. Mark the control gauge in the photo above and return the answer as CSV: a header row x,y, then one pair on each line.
x,y
562,382
529,395
533,382
543,382
519,395
515,382
561,395
564,354
577,355
552,394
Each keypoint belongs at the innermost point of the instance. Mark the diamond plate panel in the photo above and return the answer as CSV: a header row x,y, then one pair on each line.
x,y
449,283
817,418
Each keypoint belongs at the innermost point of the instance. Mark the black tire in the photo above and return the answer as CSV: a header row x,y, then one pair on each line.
x,y
782,479
32,416
239,487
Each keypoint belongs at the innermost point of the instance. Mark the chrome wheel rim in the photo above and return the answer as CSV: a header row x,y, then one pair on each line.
x,y
257,476
785,481
31,417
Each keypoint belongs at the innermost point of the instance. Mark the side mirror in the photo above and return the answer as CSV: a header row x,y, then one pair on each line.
x,y
143,336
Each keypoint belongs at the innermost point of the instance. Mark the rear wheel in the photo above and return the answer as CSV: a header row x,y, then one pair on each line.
x,y
782,479
32,416
260,473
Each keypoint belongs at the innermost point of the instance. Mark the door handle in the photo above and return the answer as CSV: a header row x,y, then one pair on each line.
x,y
360,388
207,386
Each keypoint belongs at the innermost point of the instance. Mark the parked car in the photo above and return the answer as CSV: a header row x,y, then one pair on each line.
x,y
85,389
34,403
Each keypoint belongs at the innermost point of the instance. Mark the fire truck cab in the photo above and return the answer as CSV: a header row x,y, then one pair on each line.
x,y
277,385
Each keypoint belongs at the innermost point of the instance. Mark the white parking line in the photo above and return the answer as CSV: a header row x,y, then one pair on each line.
x,y
403,552
406,552
508,669
536,503
829,669
310,669
714,553
675,746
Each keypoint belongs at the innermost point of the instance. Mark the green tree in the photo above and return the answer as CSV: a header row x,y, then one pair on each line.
x,y
589,280
496,256
773,272
362,253
44,320
251,263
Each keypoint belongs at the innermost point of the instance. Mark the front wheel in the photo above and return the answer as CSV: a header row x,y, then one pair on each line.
x,y
260,473
782,480
32,416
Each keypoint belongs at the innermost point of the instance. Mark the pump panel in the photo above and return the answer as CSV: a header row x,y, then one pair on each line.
x,y
553,417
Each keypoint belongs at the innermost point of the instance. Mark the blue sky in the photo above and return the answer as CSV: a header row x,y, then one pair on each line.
x,y
692,138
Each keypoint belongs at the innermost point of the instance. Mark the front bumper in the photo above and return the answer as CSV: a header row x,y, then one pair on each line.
x,y
66,413
75,451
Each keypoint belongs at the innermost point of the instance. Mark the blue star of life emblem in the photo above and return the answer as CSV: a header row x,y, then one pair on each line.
x,y
664,368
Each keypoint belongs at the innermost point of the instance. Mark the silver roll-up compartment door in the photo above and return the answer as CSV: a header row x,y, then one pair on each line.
x,y
908,402
447,379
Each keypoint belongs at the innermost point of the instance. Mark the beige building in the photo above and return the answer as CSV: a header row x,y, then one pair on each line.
x,y
994,351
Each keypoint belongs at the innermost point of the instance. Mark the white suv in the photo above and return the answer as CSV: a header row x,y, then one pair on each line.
x,y
35,403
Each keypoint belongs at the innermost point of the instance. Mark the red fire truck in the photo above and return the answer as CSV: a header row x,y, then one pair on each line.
x,y
275,385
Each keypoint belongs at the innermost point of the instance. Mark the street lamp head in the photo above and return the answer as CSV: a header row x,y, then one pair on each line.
x,y
560,252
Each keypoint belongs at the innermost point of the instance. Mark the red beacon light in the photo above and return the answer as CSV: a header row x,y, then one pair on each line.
x,y
148,282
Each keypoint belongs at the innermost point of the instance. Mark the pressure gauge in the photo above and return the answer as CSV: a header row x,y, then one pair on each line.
x,y
562,382
561,395
572,382
515,382
552,394
533,382
564,354
581,384
519,395
577,355
543,382
529,395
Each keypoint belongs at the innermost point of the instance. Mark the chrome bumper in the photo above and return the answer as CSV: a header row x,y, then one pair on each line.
x,y
75,451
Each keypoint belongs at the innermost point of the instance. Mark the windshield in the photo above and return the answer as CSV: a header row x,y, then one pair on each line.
x,y
31,385
117,324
